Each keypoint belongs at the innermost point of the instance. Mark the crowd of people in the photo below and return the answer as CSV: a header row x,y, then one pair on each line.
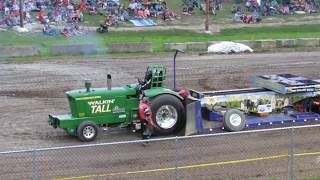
x,y
9,13
70,13
252,10
46,12
133,9
189,6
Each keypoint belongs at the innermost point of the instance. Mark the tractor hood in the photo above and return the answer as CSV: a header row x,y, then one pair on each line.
x,y
92,102
95,93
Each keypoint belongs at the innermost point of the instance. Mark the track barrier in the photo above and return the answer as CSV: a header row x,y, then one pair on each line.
x,y
277,153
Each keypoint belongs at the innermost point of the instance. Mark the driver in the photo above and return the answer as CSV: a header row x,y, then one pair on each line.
x,y
146,84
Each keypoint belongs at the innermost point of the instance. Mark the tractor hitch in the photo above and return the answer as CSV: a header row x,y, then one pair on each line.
x,y
53,121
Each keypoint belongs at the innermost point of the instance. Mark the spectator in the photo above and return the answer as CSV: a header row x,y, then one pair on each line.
x,y
274,4
212,8
70,8
165,14
72,17
153,12
248,5
309,7
140,13
51,16
146,12
238,16
2,5
169,15
66,33
235,9
124,15
157,7
266,10
28,6
15,8
190,10
66,3
246,19
47,30
163,5
28,17
284,9
255,4
59,3
108,21
195,4
82,5
13,20
58,14
80,15
117,2
6,10
187,10
92,10
41,15
133,5
2,8
38,4
255,16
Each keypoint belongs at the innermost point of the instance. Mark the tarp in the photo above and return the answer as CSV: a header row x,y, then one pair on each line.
x,y
20,29
143,22
227,47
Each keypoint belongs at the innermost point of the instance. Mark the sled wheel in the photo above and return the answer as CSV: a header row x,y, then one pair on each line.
x,y
234,120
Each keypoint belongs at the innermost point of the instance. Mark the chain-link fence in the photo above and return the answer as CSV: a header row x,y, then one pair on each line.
x,y
282,153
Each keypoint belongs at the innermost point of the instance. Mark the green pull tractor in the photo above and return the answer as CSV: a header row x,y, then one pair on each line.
x,y
119,107
279,99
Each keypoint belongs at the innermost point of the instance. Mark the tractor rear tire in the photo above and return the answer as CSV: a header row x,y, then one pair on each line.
x,y
87,131
234,120
168,114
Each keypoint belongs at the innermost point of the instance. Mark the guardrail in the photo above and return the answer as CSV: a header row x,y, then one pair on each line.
x,y
87,49
255,44
279,153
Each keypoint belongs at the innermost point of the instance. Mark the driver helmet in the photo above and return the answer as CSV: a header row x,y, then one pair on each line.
x,y
148,75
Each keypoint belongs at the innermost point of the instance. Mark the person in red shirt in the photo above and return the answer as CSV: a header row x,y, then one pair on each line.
x,y
41,15
105,26
82,5
2,5
147,123
140,13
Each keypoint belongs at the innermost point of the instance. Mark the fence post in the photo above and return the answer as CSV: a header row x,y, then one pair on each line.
x,y
177,158
34,169
291,154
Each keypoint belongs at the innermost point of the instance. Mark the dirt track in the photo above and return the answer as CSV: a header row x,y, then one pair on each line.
x,y
30,91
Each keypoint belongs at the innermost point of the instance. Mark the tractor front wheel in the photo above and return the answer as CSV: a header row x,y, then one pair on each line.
x,y
87,131
168,114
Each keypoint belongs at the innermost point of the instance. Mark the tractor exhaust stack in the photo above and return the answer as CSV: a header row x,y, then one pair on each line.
x,y
87,84
109,82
